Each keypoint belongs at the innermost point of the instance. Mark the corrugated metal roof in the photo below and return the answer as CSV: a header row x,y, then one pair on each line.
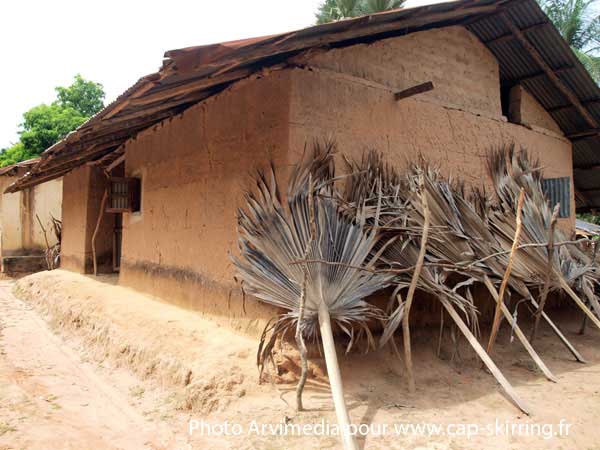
x,y
192,74
587,227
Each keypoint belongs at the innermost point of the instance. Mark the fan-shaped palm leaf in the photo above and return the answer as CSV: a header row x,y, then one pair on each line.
x,y
273,237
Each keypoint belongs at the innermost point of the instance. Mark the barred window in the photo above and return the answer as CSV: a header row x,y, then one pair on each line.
x,y
558,190
125,195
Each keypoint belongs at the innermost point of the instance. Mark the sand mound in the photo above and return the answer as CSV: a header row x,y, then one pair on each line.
x,y
158,341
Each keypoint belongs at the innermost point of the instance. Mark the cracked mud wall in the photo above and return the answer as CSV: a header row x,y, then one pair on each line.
x,y
194,169
347,93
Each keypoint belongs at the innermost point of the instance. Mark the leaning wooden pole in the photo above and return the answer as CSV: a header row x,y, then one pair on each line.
x,y
559,333
299,337
520,335
335,379
503,286
548,274
98,222
576,299
413,286
510,391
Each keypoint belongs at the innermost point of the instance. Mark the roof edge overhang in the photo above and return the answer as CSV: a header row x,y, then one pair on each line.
x,y
190,75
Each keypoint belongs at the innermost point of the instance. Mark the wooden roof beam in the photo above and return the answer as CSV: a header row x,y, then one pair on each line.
x,y
583,168
539,74
583,134
569,106
510,36
24,183
535,55
418,89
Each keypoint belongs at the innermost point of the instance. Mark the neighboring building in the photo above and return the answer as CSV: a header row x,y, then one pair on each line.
x,y
587,229
22,241
187,136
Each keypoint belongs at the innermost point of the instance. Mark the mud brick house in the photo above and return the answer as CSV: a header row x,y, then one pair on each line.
x,y
449,81
24,216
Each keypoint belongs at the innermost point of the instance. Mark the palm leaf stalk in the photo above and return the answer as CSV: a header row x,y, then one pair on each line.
x,y
273,236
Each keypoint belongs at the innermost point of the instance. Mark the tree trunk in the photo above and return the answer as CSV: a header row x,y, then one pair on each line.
x,y
335,379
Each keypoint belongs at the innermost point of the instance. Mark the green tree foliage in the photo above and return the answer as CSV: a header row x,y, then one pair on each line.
x,y
589,217
44,125
580,26
332,10
84,96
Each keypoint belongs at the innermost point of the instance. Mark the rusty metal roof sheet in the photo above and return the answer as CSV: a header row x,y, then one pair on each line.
x,y
18,168
192,74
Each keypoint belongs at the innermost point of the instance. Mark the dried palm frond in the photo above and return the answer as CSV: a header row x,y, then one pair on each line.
x,y
512,170
273,237
395,202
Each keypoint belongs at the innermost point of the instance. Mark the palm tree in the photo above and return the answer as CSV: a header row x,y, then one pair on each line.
x,y
332,10
579,25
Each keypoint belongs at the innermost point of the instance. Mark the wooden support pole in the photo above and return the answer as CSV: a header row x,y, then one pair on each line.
x,y
413,286
559,333
520,335
576,299
335,379
503,286
98,222
305,270
418,89
549,271
484,356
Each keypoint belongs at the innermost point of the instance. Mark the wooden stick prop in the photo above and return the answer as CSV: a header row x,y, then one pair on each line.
x,y
559,333
301,347
576,299
413,287
583,325
47,255
299,338
520,335
500,301
510,391
98,222
549,271
335,379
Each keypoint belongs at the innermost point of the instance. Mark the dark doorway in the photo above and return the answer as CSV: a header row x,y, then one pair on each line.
x,y
117,241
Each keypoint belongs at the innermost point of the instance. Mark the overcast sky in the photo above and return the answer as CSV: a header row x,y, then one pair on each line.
x,y
45,43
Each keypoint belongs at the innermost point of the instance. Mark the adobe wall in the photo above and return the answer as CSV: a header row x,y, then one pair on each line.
x,y
527,111
47,203
194,170
11,231
82,194
347,94
20,232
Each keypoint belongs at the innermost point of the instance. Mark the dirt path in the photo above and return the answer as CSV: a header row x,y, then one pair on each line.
x,y
51,399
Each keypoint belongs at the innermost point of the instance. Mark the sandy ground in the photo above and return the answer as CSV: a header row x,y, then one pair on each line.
x,y
112,378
